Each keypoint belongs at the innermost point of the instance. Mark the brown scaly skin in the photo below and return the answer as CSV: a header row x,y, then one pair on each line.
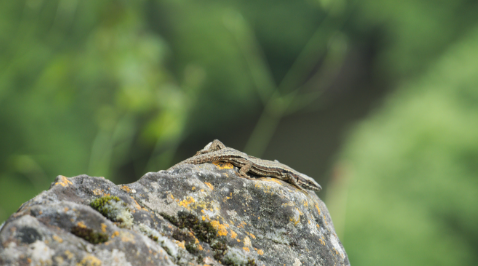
x,y
217,151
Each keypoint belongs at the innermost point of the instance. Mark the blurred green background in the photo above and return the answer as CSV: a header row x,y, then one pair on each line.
x,y
376,99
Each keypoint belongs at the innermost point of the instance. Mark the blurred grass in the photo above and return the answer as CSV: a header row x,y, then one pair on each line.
x,y
113,88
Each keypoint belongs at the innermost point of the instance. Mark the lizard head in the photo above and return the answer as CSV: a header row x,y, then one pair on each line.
x,y
301,180
309,183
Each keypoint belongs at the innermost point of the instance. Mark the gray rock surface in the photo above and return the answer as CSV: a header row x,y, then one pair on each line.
x,y
192,215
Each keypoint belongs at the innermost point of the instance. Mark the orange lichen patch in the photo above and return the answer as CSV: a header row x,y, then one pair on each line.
x,y
242,224
295,220
196,241
300,212
115,234
89,260
63,181
126,188
193,188
185,203
246,249
181,244
317,207
200,247
69,255
81,224
103,227
251,235
57,239
238,240
65,209
97,191
209,185
203,218
221,165
260,252
171,196
306,204
275,180
318,226
322,242
221,229
137,206
233,234
127,237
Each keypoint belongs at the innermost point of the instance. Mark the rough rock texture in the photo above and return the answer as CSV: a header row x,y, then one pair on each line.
x,y
192,215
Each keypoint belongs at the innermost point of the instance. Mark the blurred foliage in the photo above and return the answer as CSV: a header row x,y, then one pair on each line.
x,y
111,88
81,84
410,173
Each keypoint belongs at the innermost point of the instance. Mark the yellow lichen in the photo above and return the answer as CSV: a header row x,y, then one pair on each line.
x,y
69,255
57,239
221,165
185,203
103,227
260,252
242,224
89,260
317,207
115,234
233,234
63,181
181,244
221,229
81,224
295,220
97,191
127,237
125,188
209,185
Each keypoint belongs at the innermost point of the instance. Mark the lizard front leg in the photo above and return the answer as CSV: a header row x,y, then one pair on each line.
x,y
294,181
245,168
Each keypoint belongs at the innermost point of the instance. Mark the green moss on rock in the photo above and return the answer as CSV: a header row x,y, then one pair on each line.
x,y
114,209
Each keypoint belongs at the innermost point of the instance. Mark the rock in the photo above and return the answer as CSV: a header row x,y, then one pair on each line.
x,y
192,215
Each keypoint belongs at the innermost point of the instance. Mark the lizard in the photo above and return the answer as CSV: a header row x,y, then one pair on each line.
x,y
217,151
